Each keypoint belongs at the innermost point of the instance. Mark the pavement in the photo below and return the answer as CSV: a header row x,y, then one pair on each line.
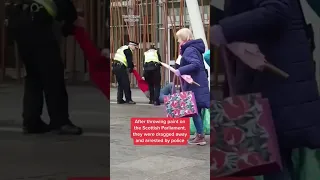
x,y
130,162
52,157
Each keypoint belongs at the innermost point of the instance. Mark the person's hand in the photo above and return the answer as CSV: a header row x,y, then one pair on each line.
x,y
105,52
177,73
80,22
143,78
217,37
67,29
250,54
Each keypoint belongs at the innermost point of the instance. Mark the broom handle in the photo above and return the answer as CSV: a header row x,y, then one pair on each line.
x,y
276,70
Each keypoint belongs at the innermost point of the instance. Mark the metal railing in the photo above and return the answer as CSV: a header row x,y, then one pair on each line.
x,y
151,22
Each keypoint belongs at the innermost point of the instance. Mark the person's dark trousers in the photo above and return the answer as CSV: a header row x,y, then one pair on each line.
x,y
122,77
45,78
153,79
40,52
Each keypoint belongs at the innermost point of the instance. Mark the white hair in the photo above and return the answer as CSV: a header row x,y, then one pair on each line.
x,y
184,34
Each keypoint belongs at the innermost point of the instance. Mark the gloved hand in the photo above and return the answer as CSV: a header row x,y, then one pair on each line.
x,y
177,73
130,70
67,29
66,12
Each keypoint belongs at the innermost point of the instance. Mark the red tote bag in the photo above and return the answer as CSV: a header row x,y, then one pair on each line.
x,y
244,141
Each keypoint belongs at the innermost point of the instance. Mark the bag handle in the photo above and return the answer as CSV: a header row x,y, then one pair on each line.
x,y
230,76
175,77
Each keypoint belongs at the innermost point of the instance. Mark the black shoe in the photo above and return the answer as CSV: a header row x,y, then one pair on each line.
x,y
39,128
157,103
69,129
151,102
121,102
131,102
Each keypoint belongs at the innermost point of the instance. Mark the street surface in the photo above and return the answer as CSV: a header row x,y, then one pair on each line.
x,y
130,162
52,157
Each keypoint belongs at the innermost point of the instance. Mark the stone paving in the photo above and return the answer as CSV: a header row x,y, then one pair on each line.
x,y
130,162
51,157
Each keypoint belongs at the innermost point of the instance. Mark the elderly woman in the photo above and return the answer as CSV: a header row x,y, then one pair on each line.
x,y
278,28
192,64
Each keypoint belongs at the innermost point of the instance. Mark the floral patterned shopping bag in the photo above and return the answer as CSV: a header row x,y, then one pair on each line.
x,y
243,139
180,104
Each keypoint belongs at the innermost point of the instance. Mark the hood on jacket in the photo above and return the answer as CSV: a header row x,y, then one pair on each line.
x,y
197,43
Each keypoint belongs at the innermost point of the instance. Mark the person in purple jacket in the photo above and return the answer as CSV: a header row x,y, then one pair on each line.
x,y
278,28
192,64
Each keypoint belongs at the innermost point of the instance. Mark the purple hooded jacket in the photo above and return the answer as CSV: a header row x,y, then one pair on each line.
x,y
277,27
192,64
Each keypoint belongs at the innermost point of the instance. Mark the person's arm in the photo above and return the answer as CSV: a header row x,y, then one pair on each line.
x,y
66,13
129,57
159,56
176,66
267,17
194,63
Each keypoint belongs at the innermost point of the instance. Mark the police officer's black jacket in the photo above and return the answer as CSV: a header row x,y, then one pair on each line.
x,y
67,13
129,57
21,18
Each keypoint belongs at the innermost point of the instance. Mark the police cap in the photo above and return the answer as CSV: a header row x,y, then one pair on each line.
x,y
133,43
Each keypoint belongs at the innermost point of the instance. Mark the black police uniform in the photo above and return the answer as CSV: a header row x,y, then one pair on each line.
x,y
122,76
39,50
152,74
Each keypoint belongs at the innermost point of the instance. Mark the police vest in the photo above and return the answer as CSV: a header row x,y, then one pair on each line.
x,y
120,56
49,5
151,56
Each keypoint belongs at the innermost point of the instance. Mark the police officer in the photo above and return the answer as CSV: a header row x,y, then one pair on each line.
x,y
31,24
122,63
152,74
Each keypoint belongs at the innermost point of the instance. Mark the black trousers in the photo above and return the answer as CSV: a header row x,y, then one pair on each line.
x,y
40,52
122,77
153,79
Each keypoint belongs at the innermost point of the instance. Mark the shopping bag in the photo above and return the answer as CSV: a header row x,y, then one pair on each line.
x,y
205,116
306,163
180,104
245,142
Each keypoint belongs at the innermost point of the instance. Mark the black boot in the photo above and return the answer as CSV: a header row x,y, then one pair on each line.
x,y
121,102
157,103
68,129
151,102
131,102
35,127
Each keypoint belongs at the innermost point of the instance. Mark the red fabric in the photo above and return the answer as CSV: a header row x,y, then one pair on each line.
x,y
99,66
143,85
